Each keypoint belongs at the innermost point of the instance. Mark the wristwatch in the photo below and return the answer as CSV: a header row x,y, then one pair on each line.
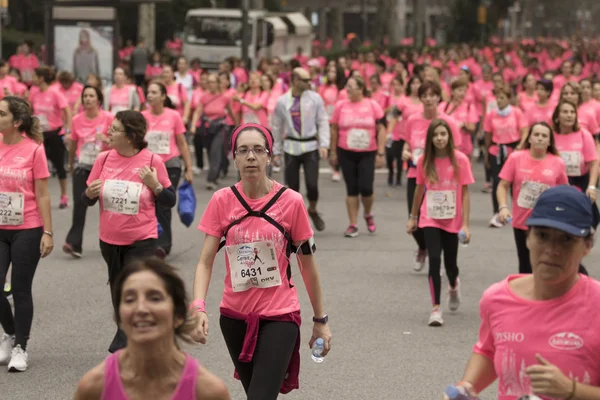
x,y
322,320
158,189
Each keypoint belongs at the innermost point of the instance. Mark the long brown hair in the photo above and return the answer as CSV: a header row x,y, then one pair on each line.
x,y
556,114
21,111
429,155
551,147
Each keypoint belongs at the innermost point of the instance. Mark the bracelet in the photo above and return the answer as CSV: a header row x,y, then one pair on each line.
x,y
198,305
49,233
501,207
572,395
381,154
592,187
410,216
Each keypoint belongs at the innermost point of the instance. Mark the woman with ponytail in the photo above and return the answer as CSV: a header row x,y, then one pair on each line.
x,y
166,138
25,222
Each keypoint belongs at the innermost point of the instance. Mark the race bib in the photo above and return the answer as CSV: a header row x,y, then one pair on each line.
x,y
159,142
88,153
250,118
492,105
441,204
12,206
26,75
121,197
358,139
530,191
116,109
572,161
330,109
44,125
416,154
253,265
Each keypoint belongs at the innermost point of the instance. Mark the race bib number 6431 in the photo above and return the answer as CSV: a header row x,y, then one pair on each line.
x,y
253,265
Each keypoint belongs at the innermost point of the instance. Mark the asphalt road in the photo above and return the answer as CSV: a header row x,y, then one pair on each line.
x,y
382,347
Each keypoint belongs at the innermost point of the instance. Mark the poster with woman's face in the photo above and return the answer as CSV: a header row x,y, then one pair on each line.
x,y
84,50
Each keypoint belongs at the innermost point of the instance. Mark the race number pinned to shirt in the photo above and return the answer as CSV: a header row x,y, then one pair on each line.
x,y
358,139
159,142
88,153
530,191
572,161
329,110
121,197
12,206
250,118
416,154
253,265
44,125
441,204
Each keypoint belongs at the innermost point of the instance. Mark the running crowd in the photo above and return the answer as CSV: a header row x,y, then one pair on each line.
x,y
530,112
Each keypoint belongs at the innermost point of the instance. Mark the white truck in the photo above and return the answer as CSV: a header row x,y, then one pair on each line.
x,y
214,34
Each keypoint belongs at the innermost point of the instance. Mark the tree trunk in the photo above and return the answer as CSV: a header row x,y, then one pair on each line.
x,y
337,28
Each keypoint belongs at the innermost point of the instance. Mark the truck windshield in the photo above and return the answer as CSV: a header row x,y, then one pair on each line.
x,y
219,31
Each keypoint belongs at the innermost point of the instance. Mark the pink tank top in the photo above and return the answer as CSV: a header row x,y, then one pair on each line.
x,y
114,390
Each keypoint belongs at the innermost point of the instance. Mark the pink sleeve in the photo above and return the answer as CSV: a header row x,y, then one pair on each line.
x,y
593,125
377,110
508,170
40,163
521,120
405,131
487,123
74,129
61,100
589,147
485,345
472,116
183,94
263,99
420,172
161,172
335,118
466,172
210,223
562,178
36,62
179,127
301,229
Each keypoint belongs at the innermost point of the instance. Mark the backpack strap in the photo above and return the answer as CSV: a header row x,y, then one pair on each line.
x,y
104,162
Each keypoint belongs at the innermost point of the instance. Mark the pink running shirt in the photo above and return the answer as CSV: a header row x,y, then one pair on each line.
x,y
442,204
514,329
21,165
48,106
576,149
178,96
357,124
504,130
466,113
72,94
121,180
161,132
224,208
250,116
113,385
533,176
536,113
84,130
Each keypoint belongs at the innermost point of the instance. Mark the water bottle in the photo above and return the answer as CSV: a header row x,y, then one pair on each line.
x,y
98,144
458,393
317,349
508,220
462,237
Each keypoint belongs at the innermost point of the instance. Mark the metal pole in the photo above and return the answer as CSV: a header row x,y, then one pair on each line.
x,y
364,16
245,31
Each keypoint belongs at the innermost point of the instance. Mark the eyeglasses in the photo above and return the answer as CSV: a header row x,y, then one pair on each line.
x,y
257,150
112,129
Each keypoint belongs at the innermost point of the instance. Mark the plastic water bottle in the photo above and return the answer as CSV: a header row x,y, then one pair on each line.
x,y
508,220
317,349
98,144
458,393
462,238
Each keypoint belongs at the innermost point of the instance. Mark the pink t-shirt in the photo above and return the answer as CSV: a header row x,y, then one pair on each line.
x,y
73,94
124,190
21,165
442,205
48,106
250,116
7,83
513,330
525,102
536,113
329,94
178,96
161,132
483,92
290,212
120,99
587,120
19,89
26,64
531,176
357,124
415,133
84,130
215,105
593,107
382,98
576,149
466,113
504,130
153,71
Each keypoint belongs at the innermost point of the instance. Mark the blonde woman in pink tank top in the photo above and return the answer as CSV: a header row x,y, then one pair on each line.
x,y
151,308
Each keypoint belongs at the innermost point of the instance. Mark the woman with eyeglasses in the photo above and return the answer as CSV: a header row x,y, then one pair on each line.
x,y
262,224
129,181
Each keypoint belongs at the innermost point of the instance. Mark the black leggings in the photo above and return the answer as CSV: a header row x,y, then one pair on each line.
x,y
55,152
22,249
164,214
116,258
411,186
495,168
392,154
198,140
75,235
522,251
263,376
439,240
358,169
310,162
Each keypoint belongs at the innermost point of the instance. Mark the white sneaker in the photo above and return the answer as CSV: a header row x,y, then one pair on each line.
x,y
420,259
495,222
276,168
335,177
18,360
454,296
6,345
197,171
435,319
